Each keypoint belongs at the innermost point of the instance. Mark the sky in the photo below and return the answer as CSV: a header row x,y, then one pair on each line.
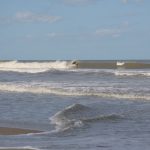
x,y
74,29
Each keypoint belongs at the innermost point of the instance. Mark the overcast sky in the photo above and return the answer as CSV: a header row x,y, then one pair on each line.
x,y
74,29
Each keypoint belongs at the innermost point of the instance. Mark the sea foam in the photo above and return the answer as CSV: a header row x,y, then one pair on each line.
x,y
58,89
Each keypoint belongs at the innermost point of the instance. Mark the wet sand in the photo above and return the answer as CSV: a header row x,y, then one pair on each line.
x,y
19,148
16,131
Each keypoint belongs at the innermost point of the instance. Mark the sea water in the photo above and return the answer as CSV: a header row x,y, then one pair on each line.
x,y
91,105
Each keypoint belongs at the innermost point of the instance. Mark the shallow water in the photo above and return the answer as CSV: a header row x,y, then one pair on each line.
x,y
76,108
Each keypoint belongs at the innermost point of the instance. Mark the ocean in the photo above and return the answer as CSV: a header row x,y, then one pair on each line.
x,y
83,104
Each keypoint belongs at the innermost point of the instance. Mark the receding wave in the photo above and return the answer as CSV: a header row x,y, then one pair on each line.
x,y
104,92
77,115
34,67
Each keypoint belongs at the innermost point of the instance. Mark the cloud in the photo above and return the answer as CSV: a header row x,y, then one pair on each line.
x,y
135,1
83,2
125,1
32,17
29,17
112,32
78,2
108,32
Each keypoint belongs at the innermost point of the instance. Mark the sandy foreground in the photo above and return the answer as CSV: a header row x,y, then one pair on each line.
x,y
16,131
19,148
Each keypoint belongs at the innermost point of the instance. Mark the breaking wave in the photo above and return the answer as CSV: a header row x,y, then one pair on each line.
x,y
34,67
120,63
45,66
116,72
104,92
77,115
132,73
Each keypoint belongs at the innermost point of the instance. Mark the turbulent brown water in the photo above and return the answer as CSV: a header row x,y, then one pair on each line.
x,y
114,64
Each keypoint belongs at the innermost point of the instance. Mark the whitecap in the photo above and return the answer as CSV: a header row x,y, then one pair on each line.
x,y
34,67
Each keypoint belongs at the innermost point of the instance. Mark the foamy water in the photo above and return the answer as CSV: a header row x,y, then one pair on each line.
x,y
76,104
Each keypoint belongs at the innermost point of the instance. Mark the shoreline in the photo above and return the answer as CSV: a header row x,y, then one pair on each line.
x,y
16,131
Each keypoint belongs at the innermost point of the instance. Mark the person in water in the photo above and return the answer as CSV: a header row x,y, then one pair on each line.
x,y
75,63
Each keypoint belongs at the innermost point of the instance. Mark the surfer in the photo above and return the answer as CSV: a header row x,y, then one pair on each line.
x,y
75,63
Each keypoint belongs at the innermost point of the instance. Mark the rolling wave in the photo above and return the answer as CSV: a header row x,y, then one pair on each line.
x,y
77,115
104,92
68,118
71,66
34,67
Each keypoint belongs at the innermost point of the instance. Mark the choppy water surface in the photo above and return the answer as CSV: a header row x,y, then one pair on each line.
x,y
78,105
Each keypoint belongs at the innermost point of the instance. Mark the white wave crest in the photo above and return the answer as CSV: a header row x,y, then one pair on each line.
x,y
34,67
132,73
116,72
120,63
106,92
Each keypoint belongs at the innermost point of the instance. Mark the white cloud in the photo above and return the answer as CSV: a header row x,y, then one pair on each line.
x,y
32,17
125,1
76,2
108,32
139,1
135,1
112,32
81,2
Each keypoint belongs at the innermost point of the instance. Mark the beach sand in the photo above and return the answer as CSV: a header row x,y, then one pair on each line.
x,y
19,148
16,131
